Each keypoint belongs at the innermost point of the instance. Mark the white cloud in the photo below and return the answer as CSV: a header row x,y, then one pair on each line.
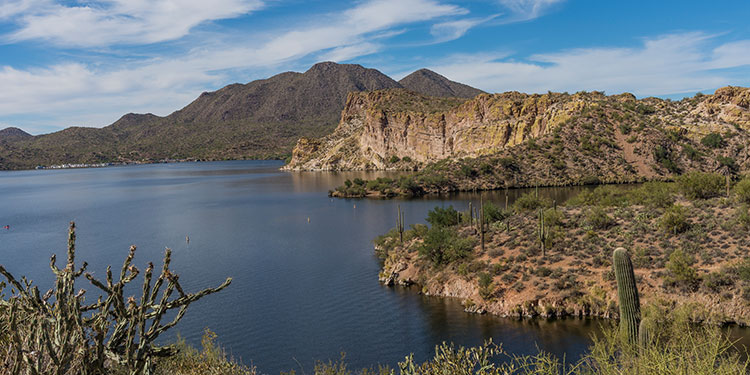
x,y
670,64
96,94
524,10
108,22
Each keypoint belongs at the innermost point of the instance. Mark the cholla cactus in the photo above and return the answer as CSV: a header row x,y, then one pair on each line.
x,y
69,337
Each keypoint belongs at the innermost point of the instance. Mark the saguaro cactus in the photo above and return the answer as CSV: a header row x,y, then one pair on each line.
x,y
627,294
543,232
483,224
644,336
400,223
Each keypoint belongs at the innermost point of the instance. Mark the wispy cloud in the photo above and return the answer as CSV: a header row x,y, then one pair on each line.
x,y
107,22
669,64
454,29
524,10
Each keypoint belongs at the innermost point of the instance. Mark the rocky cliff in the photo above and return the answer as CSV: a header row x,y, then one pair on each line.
x,y
399,129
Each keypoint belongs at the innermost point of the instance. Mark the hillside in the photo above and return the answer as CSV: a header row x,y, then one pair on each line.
x,y
514,139
260,119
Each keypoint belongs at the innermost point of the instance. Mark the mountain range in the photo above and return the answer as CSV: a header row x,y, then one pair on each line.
x,y
260,119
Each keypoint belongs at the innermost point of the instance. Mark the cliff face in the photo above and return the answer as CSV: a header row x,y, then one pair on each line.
x,y
377,128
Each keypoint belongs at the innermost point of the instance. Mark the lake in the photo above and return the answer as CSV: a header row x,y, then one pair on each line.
x,y
302,291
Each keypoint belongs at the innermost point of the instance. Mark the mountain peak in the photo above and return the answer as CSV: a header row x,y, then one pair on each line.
x,y
13,133
427,82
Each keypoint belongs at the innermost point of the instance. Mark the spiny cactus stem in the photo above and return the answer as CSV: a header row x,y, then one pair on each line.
x,y
627,293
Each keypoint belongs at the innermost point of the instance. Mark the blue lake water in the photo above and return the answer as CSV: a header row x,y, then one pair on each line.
x,y
301,291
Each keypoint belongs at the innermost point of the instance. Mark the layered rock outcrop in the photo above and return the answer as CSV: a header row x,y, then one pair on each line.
x,y
399,129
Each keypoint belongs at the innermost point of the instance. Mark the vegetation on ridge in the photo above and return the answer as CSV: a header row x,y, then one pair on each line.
x,y
686,249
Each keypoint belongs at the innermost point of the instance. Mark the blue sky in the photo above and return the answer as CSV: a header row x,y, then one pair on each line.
x,y
86,63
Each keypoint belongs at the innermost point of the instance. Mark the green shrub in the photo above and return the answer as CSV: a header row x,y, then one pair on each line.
x,y
597,218
493,213
691,152
486,286
716,280
359,181
467,171
443,217
742,190
530,201
394,159
674,220
712,140
406,159
700,185
743,216
681,272
653,194
486,168
443,246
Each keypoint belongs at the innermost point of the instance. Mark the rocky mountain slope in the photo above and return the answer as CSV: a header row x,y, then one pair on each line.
x,y
427,82
260,119
513,139
13,134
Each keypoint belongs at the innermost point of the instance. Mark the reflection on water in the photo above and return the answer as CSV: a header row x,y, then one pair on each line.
x,y
302,290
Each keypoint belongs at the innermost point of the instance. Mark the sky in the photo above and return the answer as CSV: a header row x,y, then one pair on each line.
x,y
88,62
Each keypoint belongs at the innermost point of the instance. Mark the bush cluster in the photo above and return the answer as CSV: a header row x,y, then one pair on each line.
x,y
701,185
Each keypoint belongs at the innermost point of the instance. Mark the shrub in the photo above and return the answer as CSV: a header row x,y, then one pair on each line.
x,y
394,159
691,152
443,246
530,201
443,217
493,213
681,273
485,285
742,190
409,186
468,171
406,159
597,218
486,168
715,280
359,181
674,220
653,194
700,185
743,216
712,140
